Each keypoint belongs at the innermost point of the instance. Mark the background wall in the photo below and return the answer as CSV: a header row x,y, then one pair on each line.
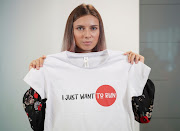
x,y
160,45
31,28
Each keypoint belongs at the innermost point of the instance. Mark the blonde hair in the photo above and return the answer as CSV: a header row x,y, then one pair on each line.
x,y
82,10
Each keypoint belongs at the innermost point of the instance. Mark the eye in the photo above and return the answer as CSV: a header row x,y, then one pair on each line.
x,y
79,28
94,28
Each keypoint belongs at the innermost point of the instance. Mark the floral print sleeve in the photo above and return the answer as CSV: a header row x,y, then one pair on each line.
x,y
34,107
143,105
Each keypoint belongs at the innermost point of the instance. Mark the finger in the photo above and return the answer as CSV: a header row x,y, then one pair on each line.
x,y
132,58
37,63
34,63
129,57
142,59
137,59
41,60
128,52
30,66
44,57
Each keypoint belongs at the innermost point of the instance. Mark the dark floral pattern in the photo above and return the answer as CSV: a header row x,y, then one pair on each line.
x,y
143,105
34,106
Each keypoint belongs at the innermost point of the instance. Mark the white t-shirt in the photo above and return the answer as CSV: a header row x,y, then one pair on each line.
x,y
89,91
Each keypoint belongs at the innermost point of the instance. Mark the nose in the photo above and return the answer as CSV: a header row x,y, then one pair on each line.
x,y
87,33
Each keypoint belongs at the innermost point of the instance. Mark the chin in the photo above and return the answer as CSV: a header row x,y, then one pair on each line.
x,y
86,48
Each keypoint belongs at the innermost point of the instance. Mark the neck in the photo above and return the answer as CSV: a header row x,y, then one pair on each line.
x,y
78,50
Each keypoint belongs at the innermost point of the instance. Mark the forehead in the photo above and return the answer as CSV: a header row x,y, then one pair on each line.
x,y
86,20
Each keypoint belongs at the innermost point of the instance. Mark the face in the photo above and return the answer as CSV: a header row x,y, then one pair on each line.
x,y
86,33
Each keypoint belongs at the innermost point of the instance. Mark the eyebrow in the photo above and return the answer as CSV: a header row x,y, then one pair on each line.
x,y
83,26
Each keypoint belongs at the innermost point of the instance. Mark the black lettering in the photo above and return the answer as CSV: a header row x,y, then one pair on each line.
x,y
71,97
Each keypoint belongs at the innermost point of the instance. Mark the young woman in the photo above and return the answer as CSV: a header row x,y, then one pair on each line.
x,y
84,33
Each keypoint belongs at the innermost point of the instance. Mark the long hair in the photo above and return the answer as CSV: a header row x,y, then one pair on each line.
x,y
82,10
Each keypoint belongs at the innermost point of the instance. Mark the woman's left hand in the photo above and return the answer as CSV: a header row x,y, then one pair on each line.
x,y
133,56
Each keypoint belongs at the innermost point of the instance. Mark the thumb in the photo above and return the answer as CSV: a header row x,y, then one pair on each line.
x,y
30,67
44,57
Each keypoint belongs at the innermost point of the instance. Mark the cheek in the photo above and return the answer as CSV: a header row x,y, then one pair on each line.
x,y
96,35
77,36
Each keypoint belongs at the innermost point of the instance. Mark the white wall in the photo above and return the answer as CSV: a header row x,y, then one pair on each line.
x,y
31,28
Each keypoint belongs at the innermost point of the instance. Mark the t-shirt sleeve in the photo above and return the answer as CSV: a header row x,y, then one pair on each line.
x,y
36,80
137,77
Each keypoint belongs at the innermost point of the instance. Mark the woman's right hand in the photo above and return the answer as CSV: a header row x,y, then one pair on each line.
x,y
37,63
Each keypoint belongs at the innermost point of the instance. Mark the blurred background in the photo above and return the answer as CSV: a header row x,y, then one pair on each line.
x,y
160,45
32,28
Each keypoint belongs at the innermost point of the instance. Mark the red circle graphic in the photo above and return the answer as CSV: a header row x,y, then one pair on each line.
x,y
106,95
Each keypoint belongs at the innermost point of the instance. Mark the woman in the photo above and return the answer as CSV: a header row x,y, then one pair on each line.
x,y
84,33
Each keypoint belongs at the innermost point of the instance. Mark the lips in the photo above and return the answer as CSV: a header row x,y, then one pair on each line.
x,y
87,42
